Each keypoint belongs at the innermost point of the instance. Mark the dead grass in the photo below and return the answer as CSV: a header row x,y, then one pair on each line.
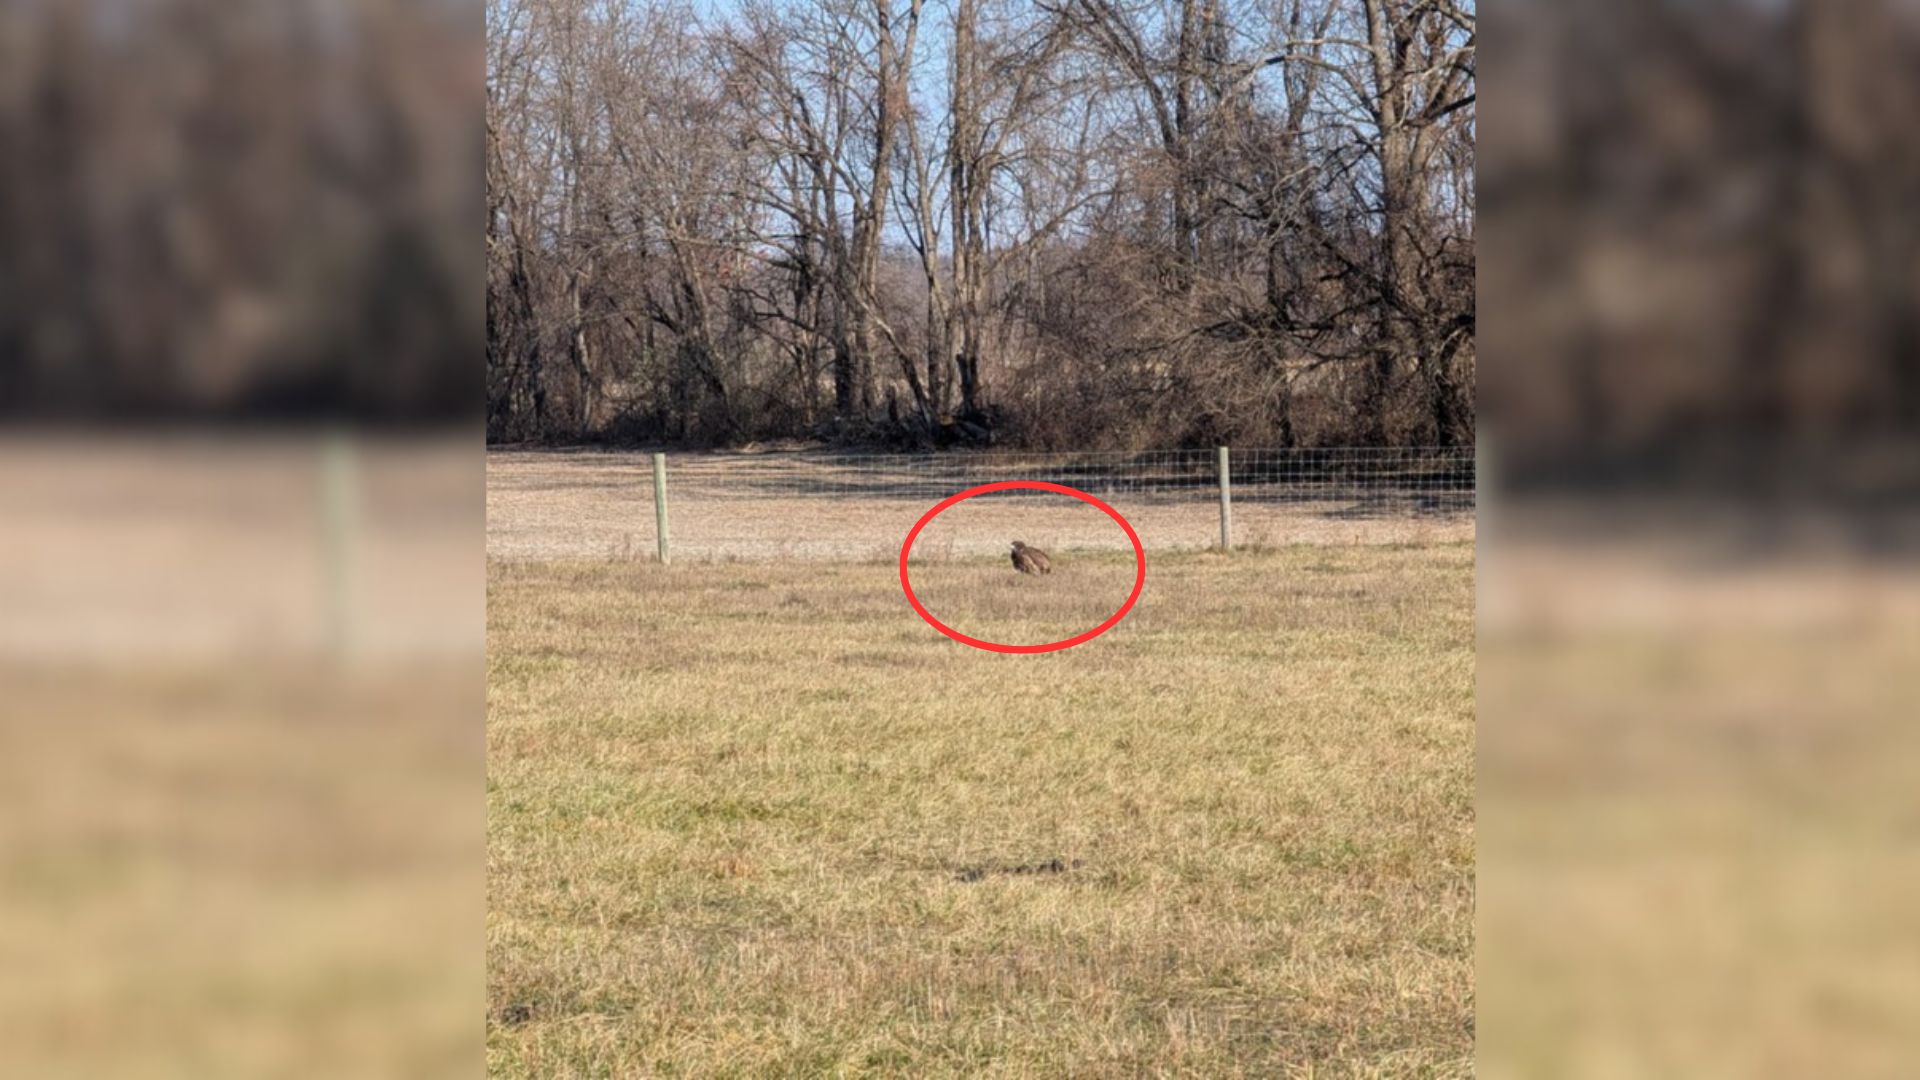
x,y
1696,777
211,872
759,820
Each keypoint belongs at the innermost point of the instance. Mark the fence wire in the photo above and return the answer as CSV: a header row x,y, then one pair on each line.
x,y
1440,476
831,505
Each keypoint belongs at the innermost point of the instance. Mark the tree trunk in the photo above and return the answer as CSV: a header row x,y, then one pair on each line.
x,y
578,355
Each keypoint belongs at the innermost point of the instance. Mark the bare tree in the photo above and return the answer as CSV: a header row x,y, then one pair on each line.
x,y
1091,221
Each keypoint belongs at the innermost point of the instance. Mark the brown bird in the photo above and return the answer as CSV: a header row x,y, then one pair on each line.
x,y
1030,560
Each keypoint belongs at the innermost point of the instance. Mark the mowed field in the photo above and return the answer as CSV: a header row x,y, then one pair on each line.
x,y
758,819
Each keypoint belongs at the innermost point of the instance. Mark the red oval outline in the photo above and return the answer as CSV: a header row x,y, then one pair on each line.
x,y
1139,573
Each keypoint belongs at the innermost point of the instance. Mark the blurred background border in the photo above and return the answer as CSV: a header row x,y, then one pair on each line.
x,y
241,538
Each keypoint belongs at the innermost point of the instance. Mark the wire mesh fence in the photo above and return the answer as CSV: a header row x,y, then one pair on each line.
x,y
831,505
208,546
1379,476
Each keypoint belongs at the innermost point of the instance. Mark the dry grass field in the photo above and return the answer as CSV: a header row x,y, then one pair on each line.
x,y
238,871
1696,780
757,819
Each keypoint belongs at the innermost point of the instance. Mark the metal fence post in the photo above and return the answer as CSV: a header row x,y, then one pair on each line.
x,y
1226,502
660,504
337,497
1485,481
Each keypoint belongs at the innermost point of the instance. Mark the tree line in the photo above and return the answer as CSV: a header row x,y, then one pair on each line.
x,y
214,211
1087,223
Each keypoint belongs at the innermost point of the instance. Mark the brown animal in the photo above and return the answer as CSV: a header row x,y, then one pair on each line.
x,y
1030,560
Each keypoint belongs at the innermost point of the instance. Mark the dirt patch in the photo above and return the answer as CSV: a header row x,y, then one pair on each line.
x,y
1040,869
